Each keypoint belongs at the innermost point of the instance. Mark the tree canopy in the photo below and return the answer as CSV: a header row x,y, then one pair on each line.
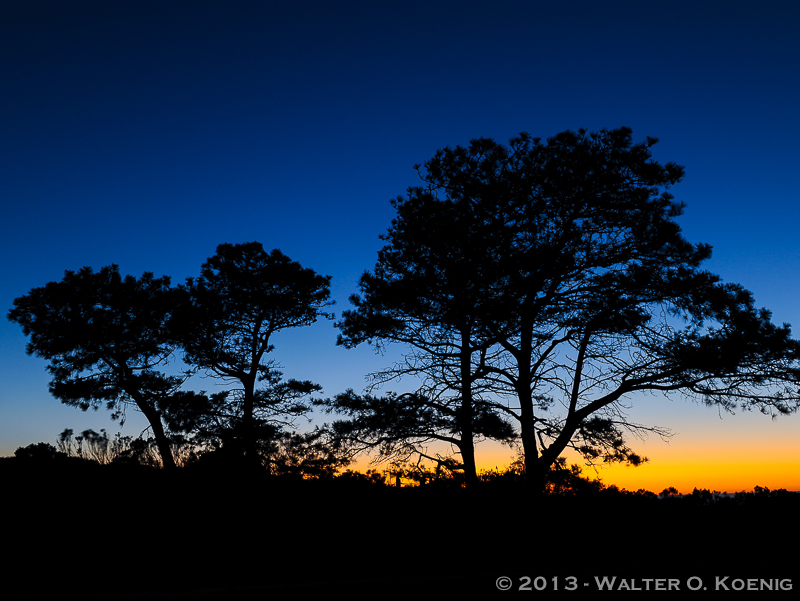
x,y
551,281
228,316
105,337
537,287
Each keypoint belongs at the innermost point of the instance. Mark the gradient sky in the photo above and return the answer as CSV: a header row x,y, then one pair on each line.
x,y
146,133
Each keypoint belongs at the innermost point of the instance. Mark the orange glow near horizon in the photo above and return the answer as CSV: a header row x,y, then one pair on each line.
x,y
716,469
714,473
722,477
684,476
725,455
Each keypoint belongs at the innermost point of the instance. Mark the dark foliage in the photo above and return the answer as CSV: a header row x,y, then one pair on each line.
x,y
356,534
398,427
106,337
549,281
227,318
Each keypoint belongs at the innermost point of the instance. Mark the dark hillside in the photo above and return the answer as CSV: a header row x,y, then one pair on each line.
x,y
126,531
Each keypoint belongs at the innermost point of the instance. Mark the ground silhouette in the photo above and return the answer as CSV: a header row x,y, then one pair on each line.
x,y
127,531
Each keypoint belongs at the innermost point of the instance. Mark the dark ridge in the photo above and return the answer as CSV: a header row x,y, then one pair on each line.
x,y
123,531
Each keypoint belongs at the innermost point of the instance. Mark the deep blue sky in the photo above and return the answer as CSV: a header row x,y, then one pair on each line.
x,y
146,133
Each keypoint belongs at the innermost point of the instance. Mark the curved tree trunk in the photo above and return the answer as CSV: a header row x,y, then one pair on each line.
x,y
154,419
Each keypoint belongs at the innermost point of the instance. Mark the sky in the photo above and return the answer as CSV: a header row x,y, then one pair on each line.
x,y
146,133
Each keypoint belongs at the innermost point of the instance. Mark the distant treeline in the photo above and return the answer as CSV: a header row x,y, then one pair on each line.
x,y
123,528
97,454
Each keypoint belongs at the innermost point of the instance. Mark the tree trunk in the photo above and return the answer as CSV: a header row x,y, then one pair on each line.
x,y
467,446
536,477
149,410
248,435
164,448
530,446
470,469
534,480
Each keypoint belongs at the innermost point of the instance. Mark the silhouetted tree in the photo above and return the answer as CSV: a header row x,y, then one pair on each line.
x,y
307,454
425,292
213,424
105,336
228,316
550,281
399,426
39,452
